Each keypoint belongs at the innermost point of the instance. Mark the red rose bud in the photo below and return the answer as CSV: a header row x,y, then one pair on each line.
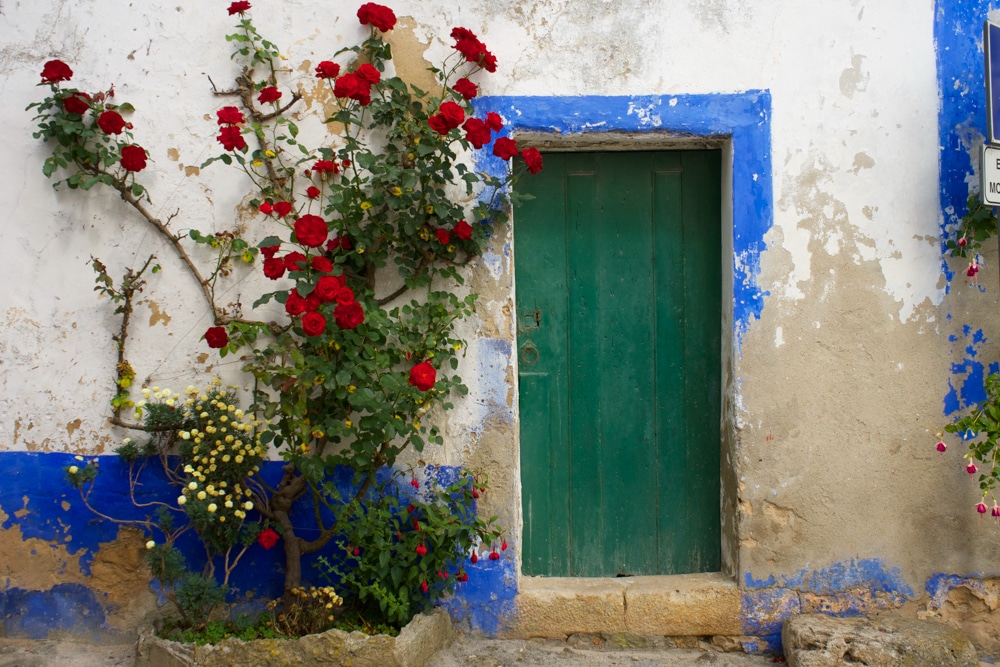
x,y
327,70
971,468
267,538
494,555
423,376
941,446
378,16
421,550
325,167
414,483
312,192
217,337
981,508
239,7
475,557
268,95
111,122
133,158
55,71
475,493
282,208
423,587
442,236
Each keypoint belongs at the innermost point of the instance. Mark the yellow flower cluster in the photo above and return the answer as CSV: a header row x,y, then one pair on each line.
x,y
220,452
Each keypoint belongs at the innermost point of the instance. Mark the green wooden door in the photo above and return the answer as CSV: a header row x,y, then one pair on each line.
x,y
618,272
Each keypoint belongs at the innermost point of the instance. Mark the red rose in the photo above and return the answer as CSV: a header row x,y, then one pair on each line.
x,y
328,287
463,230
111,122
311,231
230,116
321,264
348,315
55,71
238,8
505,148
494,121
313,324
448,117
465,88
76,103
216,337
344,296
423,376
268,95
354,87
282,208
474,50
378,16
327,70
533,159
133,158
274,267
325,167
293,261
476,132
266,209
312,192
295,304
270,251
268,537
368,73
231,138
442,236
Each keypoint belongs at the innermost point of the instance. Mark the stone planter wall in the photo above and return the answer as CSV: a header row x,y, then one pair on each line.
x,y
416,643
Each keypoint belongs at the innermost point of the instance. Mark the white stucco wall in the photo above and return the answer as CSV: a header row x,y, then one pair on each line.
x,y
839,383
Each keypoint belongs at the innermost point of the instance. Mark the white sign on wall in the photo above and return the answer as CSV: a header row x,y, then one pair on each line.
x,y
990,171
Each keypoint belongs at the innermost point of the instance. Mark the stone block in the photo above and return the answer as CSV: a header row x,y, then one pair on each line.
x,y
561,606
815,640
683,605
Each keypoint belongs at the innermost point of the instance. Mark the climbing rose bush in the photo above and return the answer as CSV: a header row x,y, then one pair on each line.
x,y
361,242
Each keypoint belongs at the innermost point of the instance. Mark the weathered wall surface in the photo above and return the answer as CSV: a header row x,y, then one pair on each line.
x,y
854,134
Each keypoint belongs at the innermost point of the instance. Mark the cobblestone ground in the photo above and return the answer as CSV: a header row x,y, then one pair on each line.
x,y
462,652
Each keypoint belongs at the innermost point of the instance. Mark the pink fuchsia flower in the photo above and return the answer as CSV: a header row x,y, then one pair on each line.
x,y
995,511
55,71
941,447
971,468
972,270
981,508
414,483
421,550
962,242
494,555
